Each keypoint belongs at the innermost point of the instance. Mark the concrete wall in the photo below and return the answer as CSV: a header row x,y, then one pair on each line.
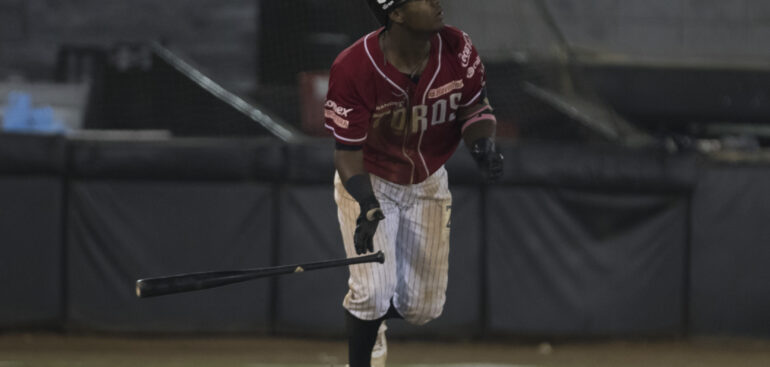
x,y
712,29
221,36
500,28
218,35
734,30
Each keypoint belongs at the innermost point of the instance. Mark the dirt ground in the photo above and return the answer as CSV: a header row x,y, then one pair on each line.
x,y
25,350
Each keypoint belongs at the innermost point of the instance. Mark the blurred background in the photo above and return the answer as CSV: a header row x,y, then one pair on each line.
x,y
143,138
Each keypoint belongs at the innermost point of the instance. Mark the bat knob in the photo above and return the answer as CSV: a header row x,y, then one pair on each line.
x,y
380,257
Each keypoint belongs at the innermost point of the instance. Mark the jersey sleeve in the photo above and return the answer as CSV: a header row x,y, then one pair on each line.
x,y
345,112
475,74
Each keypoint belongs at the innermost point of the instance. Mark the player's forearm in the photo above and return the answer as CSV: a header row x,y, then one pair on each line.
x,y
349,163
350,166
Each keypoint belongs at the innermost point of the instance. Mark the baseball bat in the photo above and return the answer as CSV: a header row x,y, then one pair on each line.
x,y
153,287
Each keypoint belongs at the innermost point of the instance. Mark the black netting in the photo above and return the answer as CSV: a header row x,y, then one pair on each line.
x,y
533,83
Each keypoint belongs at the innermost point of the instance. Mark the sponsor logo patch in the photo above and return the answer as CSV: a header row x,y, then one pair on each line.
x,y
385,4
339,121
465,56
390,105
342,111
444,89
472,69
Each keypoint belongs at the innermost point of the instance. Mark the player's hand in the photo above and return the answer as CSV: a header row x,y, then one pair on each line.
x,y
366,226
488,158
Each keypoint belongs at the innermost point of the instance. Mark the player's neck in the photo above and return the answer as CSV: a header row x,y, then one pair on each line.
x,y
405,49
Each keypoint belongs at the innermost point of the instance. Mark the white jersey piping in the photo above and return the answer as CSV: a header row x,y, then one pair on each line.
x,y
346,139
403,147
473,99
424,99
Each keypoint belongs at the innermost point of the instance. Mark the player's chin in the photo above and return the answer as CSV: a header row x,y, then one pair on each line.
x,y
433,26
437,26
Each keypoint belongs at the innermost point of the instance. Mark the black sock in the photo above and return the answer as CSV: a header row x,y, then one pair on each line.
x,y
361,337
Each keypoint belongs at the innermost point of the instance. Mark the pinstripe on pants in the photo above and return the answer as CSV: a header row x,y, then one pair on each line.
x,y
415,239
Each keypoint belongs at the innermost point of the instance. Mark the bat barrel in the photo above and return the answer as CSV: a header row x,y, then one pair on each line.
x,y
185,283
152,287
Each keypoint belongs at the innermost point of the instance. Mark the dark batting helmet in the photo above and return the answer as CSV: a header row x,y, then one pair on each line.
x,y
382,8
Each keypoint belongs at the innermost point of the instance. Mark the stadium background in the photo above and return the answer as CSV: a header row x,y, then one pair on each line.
x,y
177,136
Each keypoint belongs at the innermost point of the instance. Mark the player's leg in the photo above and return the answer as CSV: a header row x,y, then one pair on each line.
x,y
380,350
371,286
393,194
362,336
423,247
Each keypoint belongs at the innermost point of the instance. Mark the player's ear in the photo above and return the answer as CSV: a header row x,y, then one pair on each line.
x,y
397,16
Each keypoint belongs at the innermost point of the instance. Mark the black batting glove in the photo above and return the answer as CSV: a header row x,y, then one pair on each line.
x,y
366,225
488,158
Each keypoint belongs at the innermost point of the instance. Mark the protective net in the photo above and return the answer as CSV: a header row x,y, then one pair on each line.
x,y
536,85
538,92
535,88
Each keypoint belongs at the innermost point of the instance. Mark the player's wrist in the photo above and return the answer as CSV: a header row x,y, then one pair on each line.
x,y
360,188
370,208
488,158
481,147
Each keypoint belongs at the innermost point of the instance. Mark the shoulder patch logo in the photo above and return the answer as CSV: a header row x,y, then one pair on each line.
x,y
339,121
342,111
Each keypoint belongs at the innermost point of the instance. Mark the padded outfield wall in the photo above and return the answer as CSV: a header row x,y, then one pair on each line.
x,y
574,240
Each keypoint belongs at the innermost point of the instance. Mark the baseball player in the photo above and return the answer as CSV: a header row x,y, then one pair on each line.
x,y
400,101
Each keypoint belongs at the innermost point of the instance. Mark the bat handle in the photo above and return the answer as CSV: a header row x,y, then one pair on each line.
x,y
378,257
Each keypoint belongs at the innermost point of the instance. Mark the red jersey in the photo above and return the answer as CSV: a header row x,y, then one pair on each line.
x,y
408,130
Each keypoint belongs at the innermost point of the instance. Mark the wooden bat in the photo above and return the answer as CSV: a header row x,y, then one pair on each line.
x,y
153,287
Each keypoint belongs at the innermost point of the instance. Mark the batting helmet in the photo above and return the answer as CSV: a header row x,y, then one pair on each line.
x,y
382,8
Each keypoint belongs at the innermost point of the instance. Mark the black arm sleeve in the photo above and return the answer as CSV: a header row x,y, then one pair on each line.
x,y
359,187
340,146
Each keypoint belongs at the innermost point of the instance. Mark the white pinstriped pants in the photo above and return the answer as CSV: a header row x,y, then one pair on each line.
x,y
415,239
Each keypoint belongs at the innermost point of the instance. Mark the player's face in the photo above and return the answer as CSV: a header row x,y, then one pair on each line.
x,y
423,15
